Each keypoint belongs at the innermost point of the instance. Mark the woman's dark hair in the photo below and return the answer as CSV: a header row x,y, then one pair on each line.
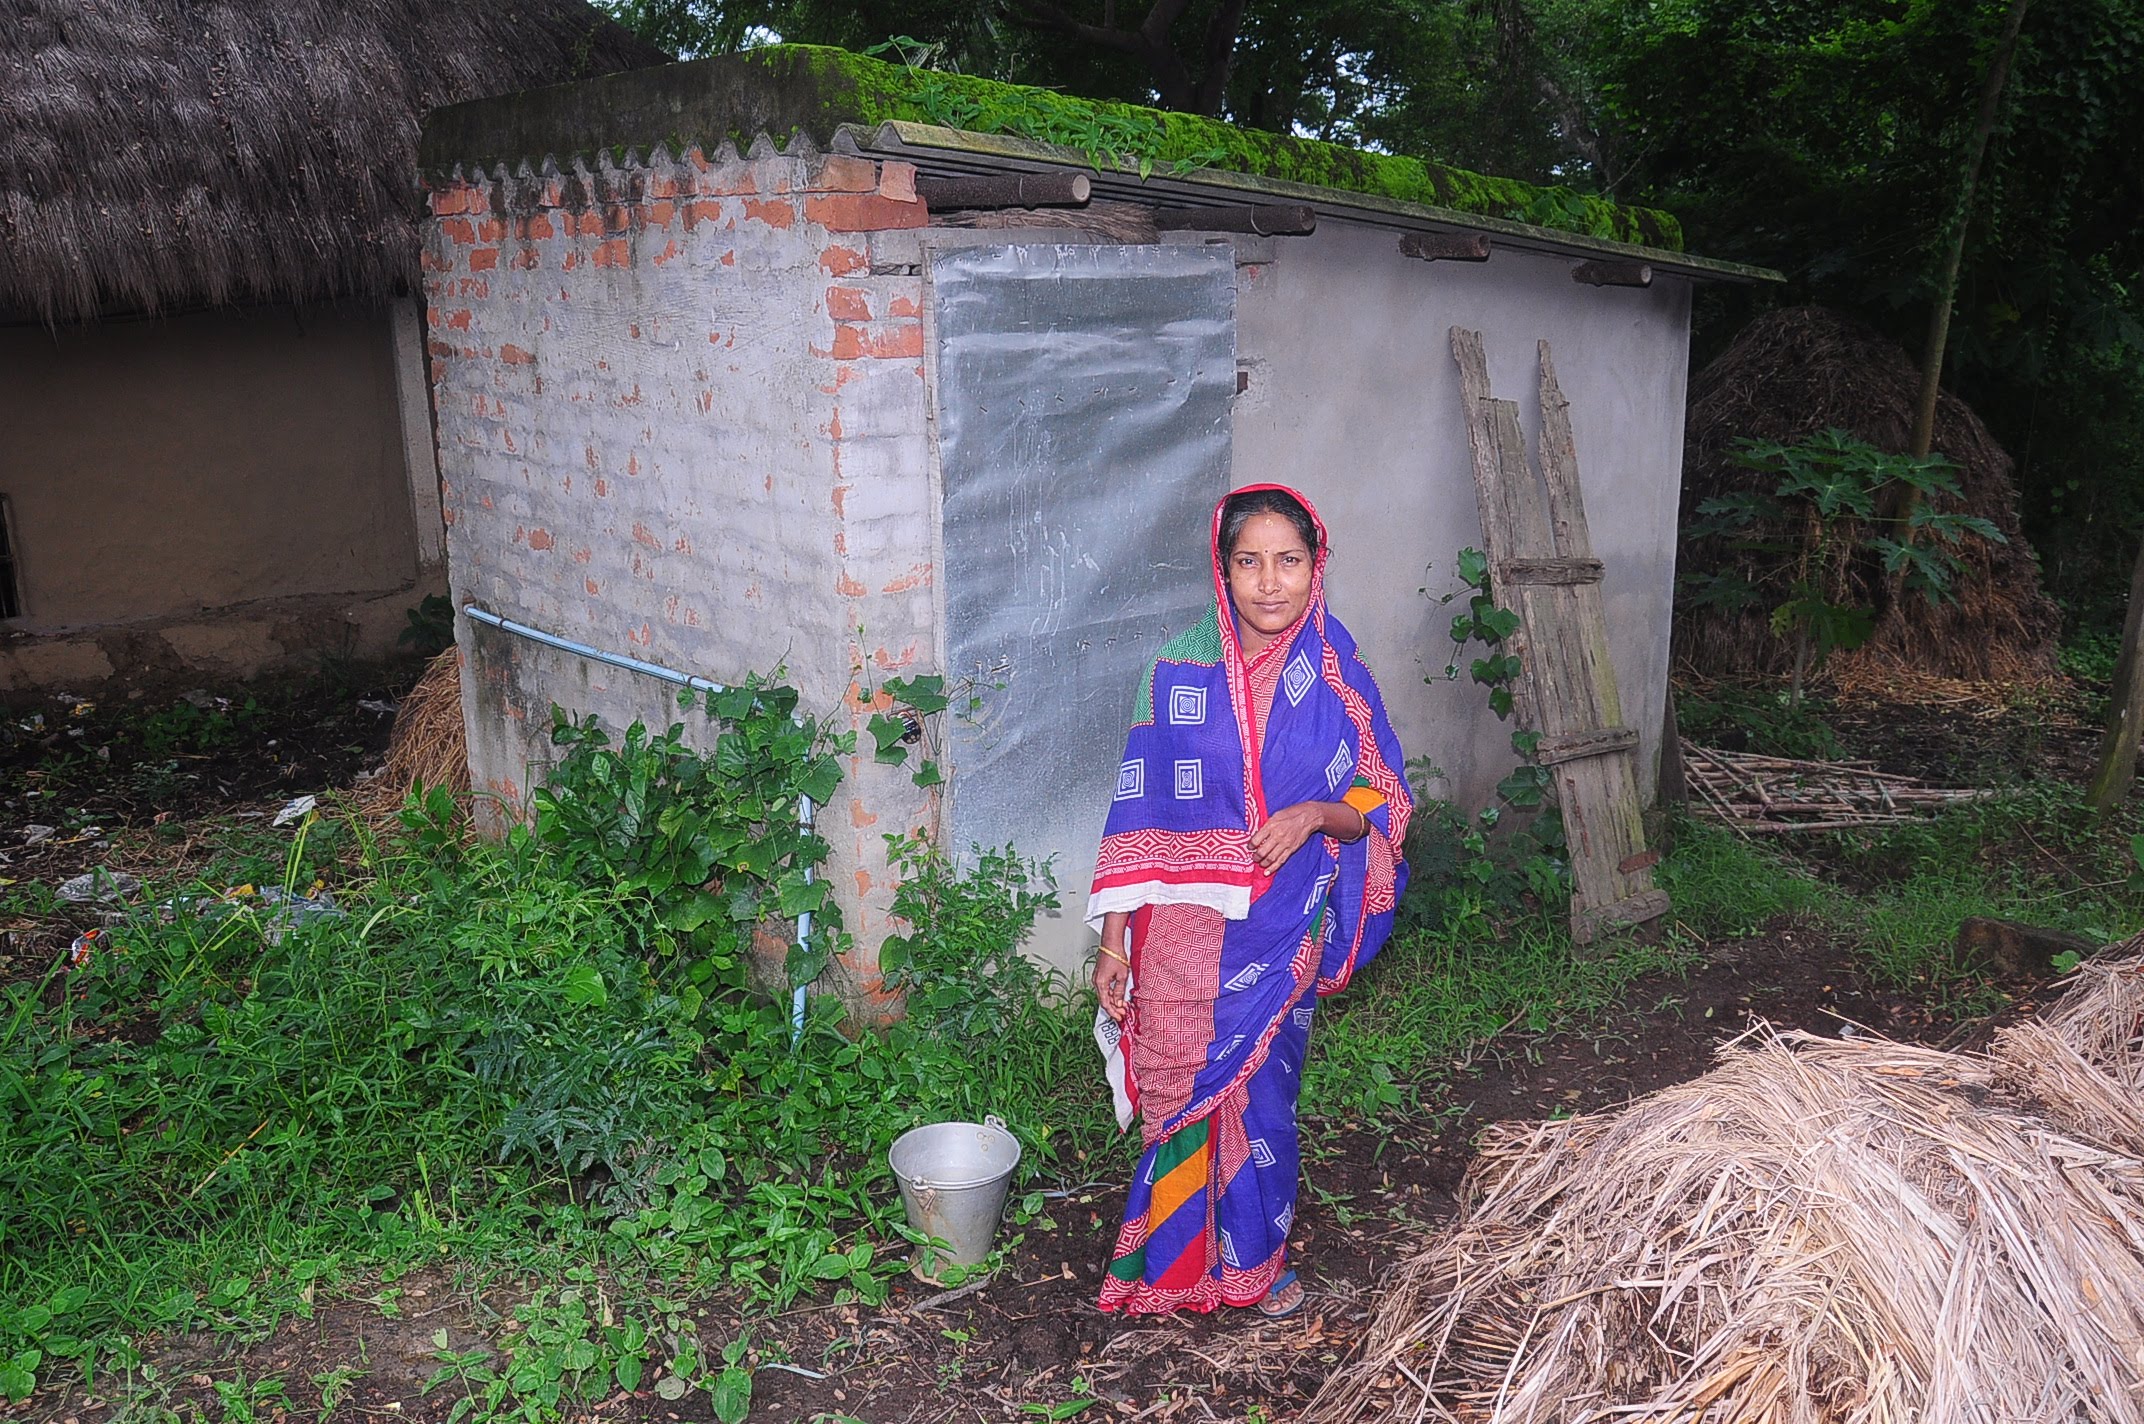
x,y
1237,509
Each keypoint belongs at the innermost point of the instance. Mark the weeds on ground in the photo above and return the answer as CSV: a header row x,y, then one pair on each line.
x,y
2035,854
541,1056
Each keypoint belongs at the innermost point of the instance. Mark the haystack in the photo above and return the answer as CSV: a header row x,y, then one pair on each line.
x,y
429,745
1793,373
1819,1230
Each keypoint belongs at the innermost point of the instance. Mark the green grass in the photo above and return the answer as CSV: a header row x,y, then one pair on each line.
x,y
480,1061
2034,854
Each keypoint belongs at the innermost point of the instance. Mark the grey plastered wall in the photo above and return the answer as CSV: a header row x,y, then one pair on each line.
x,y
1353,397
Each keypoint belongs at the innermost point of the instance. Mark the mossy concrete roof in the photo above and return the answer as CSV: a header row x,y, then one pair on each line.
x,y
835,97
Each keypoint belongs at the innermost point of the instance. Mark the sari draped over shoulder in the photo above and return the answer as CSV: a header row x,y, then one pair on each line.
x,y
1228,960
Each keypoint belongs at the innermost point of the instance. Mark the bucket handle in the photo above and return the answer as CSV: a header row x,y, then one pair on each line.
x,y
993,1120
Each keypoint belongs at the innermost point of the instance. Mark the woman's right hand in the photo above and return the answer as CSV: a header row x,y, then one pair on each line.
x,y
1111,977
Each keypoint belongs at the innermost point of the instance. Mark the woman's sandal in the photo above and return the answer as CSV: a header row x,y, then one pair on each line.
x,y
1279,1304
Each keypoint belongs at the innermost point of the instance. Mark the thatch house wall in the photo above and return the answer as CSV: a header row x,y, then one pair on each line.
x,y
212,390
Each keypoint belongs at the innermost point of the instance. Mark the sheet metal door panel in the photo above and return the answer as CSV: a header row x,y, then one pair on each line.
x,y
1083,425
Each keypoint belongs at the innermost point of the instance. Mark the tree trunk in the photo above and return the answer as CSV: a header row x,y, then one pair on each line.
x,y
1991,92
2117,770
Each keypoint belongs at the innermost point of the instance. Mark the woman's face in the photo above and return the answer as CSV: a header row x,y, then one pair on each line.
x,y
1268,578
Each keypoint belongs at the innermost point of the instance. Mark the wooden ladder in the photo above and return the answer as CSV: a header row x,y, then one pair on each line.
x,y
1541,566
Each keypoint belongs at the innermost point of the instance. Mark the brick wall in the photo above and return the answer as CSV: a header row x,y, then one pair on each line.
x,y
681,416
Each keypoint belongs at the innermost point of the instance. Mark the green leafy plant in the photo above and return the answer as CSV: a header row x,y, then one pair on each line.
x,y
1512,848
712,841
960,968
431,626
1836,503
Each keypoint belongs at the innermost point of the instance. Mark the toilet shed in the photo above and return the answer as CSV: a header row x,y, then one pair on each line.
x,y
798,360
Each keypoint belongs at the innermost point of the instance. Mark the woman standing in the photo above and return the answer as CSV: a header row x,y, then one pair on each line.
x,y
1249,864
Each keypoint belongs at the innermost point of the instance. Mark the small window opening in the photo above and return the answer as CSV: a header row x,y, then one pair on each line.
x,y
10,589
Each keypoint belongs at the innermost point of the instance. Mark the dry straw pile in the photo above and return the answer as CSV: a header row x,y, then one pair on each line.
x,y
428,746
1816,1231
1791,374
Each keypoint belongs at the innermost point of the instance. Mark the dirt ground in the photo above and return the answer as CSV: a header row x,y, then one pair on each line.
x,y
1029,1344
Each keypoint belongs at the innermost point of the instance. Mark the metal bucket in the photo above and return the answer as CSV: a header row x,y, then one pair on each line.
x,y
954,1177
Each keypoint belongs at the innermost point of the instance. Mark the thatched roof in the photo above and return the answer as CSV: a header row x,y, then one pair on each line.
x,y
164,154
1795,372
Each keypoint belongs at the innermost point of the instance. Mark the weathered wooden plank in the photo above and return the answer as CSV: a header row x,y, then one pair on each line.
x,y
1613,274
1534,532
1570,746
1641,908
1559,466
1445,246
1514,572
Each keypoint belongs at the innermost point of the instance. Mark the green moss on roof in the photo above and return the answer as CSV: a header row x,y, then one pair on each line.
x,y
851,88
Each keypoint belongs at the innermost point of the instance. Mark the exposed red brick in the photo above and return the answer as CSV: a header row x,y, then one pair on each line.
x,y
583,556
602,489
614,253
903,306
660,214
513,355
483,259
845,173
862,212
644,535
588,224
849,588
490,230
772,212
729,259
458,321
459,230
897,181
848,304
592,586
537,228
571,261
661,185
527,259
841,261
540,539
430,263
851,342
669,252
916,577
618,219
730,181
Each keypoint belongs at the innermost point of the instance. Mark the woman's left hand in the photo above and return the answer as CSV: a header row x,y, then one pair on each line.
x,y
1284,832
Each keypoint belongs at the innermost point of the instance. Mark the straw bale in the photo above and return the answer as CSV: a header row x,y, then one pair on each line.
x,y
428,747
1792,373
1816,1232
